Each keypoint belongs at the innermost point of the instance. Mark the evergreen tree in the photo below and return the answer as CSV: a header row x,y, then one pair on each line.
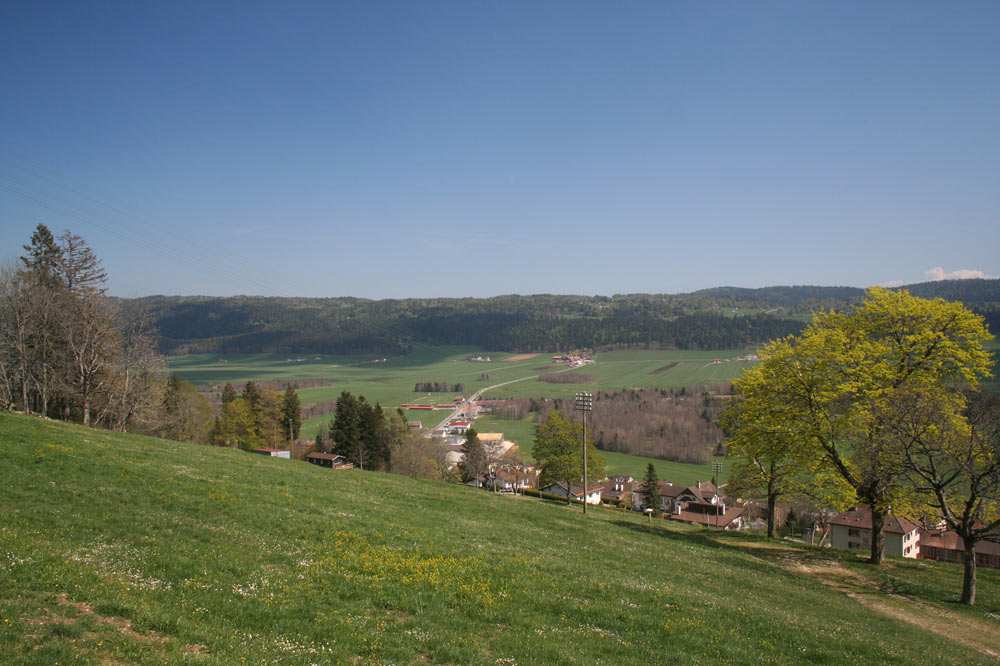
x,y
252,395
374,438
291,414
228,394
650,491
43,256
474,462
345,429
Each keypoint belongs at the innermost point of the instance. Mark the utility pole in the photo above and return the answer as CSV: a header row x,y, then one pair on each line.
x,y
584,403
717,468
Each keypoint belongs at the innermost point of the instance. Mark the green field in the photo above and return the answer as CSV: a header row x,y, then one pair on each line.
x,y
392,382
119,549
638,369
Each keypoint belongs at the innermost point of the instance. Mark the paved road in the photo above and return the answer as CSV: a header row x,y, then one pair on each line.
x,y
475,396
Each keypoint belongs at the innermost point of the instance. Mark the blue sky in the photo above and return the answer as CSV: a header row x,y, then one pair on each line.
x,y
392,150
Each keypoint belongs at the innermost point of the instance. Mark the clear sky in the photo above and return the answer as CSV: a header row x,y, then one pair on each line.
x,y
385,149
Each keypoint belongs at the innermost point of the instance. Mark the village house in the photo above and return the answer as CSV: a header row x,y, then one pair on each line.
x,y
673,496
700,504
618,489
853,530
330,460
593,495
709,514
944,545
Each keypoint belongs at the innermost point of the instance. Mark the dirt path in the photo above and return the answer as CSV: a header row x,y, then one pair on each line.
x,y
969,631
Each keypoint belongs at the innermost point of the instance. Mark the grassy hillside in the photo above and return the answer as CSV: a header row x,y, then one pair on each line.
x,y
118,549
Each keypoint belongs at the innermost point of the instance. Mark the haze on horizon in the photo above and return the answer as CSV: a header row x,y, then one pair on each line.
x,y
393,149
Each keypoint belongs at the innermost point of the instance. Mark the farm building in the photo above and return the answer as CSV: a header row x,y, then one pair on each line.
x,y
458,426
330,460
274,453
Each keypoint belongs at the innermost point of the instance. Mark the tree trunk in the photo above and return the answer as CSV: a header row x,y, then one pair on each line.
x,y
878,537
771,501
969,579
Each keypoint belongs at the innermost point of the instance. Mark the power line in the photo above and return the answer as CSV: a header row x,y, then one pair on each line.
x,y
204,259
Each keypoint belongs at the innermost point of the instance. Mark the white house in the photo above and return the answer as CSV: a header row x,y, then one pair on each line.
x,y
853,530
576,490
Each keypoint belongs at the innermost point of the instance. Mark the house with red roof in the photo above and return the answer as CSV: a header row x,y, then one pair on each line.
x,y
709,514
672,496
943,545
853,530
458,427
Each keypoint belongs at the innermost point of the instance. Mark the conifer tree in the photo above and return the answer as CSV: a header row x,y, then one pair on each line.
x,y
345,429
43,255
252,395
228,394
291,414
651,489
474,463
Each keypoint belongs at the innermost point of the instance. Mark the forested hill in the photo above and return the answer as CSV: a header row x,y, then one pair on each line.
x,y
724,317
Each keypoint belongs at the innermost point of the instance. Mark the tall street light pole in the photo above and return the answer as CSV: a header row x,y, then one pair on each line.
x,y
717,468
584,403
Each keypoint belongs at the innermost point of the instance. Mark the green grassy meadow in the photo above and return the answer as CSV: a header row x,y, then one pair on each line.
x,y
119,549
638,369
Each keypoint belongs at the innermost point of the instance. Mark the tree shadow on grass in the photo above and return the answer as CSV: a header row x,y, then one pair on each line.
x,y
771,551
849,572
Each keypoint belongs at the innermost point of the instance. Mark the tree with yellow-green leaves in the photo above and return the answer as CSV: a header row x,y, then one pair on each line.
x,y
771,461
833,390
